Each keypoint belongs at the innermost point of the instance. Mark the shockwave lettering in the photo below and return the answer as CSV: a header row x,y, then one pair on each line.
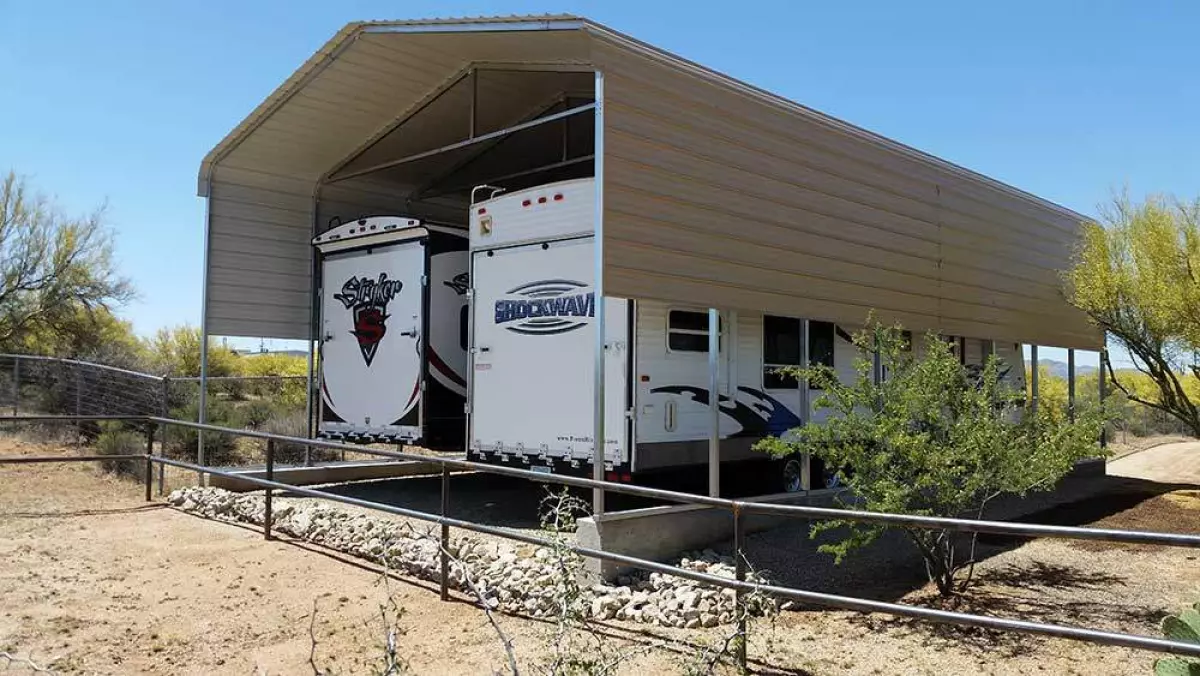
x,y
545,307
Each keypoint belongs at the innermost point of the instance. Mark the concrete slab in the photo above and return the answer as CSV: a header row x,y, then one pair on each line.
x,y
663,533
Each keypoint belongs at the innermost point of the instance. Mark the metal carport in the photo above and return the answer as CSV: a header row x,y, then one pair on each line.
x,y
711,192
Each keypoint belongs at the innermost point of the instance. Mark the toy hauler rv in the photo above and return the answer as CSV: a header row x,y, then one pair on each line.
x,y
532,341
393,317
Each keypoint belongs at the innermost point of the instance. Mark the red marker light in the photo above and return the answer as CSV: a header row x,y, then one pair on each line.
x,y
482,211
526,203
542,200
558,197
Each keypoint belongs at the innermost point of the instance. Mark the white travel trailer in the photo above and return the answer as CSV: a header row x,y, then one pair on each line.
x,y
393,339
531,374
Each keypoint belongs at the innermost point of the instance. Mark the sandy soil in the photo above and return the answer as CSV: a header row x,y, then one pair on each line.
x,y
96,581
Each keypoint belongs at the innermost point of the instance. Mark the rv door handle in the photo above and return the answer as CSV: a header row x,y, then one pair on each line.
x,y
411,333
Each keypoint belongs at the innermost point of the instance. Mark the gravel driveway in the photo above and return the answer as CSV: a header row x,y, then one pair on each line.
x,y
1170,463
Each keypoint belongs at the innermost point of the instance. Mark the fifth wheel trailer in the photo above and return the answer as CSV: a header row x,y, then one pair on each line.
x,y
532,336
393,339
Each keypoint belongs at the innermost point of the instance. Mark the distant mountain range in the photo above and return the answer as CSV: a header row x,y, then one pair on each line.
x,y
1058,369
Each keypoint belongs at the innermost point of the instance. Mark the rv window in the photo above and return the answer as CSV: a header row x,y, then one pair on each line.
x,y
820,343
687,331
781,347
464,330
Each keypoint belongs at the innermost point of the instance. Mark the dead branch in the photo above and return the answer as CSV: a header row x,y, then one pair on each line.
x,y
10,660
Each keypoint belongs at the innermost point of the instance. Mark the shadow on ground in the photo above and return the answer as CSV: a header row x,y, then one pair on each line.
x,y
890,568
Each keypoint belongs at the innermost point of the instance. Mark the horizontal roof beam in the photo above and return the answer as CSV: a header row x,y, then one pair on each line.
x,y
490,136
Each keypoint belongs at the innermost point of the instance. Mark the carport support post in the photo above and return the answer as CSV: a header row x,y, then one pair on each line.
x,y
1071,384
714,403
805,407
598,254
1103,383
202,413
268,493
1033,379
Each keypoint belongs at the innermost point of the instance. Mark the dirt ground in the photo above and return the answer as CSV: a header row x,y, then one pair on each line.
x,y
94,580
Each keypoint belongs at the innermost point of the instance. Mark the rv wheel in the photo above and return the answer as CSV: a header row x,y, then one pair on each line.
x,y
793,475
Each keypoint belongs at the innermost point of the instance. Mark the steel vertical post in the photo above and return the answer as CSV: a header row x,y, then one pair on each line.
x,y
1071,384
714,403
202,406
445,541
805,406
16,388
739,563
1033,379
164,409
598,435
268,493
1103,384
149,463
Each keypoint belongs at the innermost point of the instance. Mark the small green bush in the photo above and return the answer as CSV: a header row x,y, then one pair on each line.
x,y
219,449
294,425
116,439
256,412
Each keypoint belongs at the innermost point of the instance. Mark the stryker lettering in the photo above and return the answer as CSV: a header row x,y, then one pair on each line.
x,y
367,291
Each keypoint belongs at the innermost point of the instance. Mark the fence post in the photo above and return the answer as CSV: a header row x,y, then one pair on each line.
x,y
739,563
164,410
445,534
269,491
78,400
149,464
16,384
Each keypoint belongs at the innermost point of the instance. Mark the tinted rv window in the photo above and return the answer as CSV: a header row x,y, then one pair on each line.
x,y
781,347
687,331
820,343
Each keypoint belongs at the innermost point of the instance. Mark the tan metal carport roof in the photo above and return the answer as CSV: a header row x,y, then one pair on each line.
x,y
715,193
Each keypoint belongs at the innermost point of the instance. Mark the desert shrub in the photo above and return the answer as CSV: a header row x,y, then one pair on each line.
x,y
256,412
933,438
219,449
117,439
294,425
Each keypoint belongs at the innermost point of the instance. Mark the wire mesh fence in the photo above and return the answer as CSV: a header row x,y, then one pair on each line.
x,y
39,385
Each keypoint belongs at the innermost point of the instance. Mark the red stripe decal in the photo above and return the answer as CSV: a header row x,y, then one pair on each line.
x,y
445,370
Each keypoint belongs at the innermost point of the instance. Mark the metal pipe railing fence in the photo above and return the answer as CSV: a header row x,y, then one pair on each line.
x,y
736,507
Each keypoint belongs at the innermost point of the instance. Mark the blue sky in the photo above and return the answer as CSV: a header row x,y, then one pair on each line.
x,y
118,101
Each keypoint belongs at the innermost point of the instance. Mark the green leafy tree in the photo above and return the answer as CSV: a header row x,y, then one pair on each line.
x,y
1137,276
57,274
934,438
175,351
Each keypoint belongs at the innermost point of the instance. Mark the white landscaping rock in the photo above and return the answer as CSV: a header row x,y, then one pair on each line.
x,y
508,579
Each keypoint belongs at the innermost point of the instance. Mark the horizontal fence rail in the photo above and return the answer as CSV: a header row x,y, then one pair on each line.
x,y
736,507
